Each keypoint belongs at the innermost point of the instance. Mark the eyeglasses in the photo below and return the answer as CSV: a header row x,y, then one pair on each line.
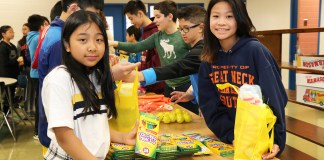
x,y
187,29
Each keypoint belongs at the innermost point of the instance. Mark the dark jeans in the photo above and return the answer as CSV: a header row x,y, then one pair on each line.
x,y
188,105
34,100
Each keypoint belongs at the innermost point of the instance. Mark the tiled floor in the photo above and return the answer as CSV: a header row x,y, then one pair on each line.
x,y
26,148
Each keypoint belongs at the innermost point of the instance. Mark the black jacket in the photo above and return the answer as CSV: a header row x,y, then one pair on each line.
x,y
8,60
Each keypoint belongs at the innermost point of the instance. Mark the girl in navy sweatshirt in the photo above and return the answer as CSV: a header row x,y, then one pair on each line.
x,y
231,54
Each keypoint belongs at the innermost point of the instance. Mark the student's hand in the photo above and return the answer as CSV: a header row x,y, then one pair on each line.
x,y
179,96
272,154
113,43
130,137
72,8
122,70
20,59
113,59
131,77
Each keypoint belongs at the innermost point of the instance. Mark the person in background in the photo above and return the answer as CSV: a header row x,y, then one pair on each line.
x,y
86,72
232,55
36,24
23,49
136,12
191,25
169,45
24,59
9,65
133,35
46,21
56,10
50,57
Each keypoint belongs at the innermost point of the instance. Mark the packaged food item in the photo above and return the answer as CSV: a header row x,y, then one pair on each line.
x,y
251,94
147,135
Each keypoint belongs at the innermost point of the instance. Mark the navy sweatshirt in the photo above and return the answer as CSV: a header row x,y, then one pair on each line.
x,y
247,62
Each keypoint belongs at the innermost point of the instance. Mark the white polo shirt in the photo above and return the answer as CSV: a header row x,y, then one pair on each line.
x,y
63,105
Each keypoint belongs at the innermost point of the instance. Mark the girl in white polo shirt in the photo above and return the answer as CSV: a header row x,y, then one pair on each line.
x,y
78,96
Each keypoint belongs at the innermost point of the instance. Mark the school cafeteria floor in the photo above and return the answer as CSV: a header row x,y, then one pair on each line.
x,y
26,148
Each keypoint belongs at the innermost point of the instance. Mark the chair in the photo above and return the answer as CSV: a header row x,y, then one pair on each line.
x,y
22,86
4,115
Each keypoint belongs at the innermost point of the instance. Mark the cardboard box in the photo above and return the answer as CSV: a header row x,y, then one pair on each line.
x,y
310,89
311,80
311,62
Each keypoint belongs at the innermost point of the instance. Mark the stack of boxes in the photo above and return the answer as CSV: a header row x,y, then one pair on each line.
x,y
310,87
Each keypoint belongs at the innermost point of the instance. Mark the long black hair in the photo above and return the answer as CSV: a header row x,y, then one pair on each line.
x,y
245,27
80,73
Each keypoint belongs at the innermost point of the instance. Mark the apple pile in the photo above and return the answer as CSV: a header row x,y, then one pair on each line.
x,y
177,115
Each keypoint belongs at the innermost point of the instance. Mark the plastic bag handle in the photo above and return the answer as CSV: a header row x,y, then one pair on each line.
x,y
135,88
270,127
227,85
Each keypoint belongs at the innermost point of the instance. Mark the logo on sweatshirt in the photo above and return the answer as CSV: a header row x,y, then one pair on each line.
x,y
168,49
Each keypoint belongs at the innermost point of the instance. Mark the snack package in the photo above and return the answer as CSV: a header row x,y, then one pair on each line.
x,y
147,135
251,94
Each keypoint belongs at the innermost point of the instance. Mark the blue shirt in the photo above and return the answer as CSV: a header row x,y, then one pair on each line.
x,y
32,42
49,58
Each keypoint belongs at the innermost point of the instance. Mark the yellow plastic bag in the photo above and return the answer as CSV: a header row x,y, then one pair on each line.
x,y
253,124
126,100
